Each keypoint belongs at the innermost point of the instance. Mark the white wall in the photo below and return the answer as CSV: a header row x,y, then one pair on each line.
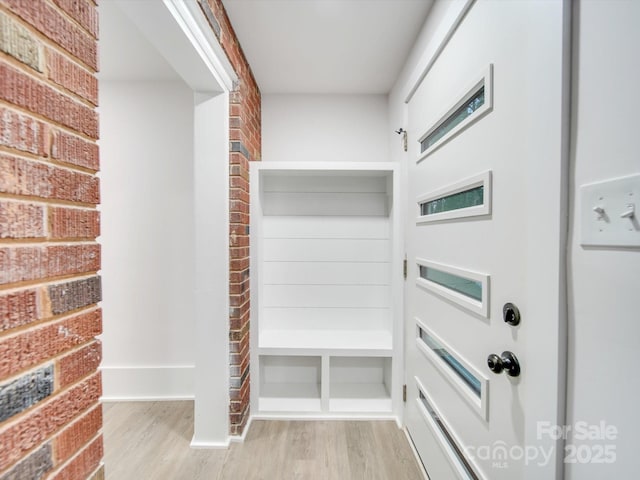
x,y
147,238
325,128
604,327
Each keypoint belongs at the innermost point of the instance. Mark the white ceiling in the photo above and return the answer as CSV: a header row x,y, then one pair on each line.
x,y
327,46
293,46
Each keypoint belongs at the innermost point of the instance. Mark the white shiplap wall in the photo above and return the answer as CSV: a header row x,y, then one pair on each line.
x,y
326,252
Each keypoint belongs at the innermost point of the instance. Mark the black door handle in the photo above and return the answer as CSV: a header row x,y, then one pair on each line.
x,y
507,362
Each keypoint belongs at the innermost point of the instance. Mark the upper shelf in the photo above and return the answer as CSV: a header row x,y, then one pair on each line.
x,y
333,342
325,190
328,168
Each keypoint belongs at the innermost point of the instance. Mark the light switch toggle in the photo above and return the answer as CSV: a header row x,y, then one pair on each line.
x,y
600,211
631,211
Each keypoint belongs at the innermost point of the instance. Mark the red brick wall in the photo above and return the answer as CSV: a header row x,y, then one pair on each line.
x,y
49,385
245,138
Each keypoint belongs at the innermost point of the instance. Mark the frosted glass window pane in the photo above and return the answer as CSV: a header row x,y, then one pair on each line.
x,y
469,198
456,118
466,376
465,286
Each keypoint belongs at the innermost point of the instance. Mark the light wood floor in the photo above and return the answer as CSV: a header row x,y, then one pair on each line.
x,y
150,441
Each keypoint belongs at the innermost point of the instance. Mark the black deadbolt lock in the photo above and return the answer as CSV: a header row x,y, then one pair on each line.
x,y
511,314
507,362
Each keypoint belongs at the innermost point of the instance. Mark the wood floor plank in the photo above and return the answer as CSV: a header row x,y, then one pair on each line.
x,y
150,441
398,453
362,464
334,461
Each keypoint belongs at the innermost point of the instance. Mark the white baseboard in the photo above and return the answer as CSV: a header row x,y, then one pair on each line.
x,y
351,416
230,439
210,445
148,383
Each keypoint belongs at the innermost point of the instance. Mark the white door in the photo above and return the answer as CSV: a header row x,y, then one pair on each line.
x,y
485,228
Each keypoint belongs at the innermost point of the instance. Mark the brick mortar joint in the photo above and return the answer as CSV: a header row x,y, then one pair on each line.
x,y
45,282
48,240
79,278
7,242
61,243
42,202
76,349
37,282
47,201
93,208
239,295
18,290
48,161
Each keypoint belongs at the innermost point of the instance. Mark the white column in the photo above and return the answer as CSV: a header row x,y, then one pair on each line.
x,y
211,200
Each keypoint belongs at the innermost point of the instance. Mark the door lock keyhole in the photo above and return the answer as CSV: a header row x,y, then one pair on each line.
x,y
507,362
511,314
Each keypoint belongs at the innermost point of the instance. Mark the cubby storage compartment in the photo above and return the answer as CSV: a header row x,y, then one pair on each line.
x,y
290,383
325,269
360,384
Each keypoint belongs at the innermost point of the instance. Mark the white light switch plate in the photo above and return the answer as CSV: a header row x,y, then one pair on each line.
x,y
605,209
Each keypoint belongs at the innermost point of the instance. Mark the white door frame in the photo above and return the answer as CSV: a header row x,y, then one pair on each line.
x,y
552,408
181,33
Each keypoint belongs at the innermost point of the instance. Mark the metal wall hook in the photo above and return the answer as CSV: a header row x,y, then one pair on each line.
x,y
403,132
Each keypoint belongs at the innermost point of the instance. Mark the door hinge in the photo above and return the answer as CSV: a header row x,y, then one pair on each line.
x,y
404,393
404,268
